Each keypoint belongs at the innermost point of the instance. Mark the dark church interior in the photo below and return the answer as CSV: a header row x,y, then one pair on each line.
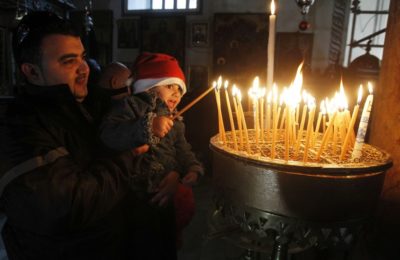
x,y
250,208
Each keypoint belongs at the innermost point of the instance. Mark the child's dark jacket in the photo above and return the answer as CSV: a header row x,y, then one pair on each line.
x,y
128,125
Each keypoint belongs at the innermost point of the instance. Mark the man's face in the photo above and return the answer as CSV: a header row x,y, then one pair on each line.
x,y
63,62
170,94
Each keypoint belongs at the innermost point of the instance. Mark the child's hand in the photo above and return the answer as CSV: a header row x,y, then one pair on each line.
x,y
190,179
140,149
162,125
166,189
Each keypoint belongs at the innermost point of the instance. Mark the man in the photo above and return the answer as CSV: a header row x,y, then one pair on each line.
x,y
63,198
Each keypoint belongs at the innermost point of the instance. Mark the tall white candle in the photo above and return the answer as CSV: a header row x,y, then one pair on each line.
x,y
271,47
363,126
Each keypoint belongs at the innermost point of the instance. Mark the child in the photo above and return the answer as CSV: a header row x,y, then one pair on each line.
x,y
144,119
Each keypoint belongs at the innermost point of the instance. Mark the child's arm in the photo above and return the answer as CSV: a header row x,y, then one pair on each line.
x,y
127,125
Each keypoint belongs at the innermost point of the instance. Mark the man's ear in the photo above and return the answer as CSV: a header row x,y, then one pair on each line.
x,y
31,72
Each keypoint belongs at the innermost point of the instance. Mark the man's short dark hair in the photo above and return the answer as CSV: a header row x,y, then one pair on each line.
x,y
28,35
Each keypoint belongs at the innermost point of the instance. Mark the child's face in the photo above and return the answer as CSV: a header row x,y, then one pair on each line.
x,y
170,94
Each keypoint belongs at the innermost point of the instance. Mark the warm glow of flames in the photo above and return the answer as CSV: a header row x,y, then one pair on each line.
x,y
269,97
239,95
254,91
310,102
370,88
219,82
235,90
360,94
272,7
331,106
261,92
342,99
322,107
226,84
275,92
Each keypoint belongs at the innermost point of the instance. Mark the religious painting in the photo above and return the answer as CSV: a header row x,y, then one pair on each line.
x,y
240,47
164,34
199,35
197,77
128,33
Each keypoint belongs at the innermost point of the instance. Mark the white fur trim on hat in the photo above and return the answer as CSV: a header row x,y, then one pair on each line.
x,y
142,85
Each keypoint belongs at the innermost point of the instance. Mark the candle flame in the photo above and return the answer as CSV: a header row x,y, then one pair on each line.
x,y
360,94
226,84
254,91
272,7
305,96
214,84
342,99
296,86
331,105
219,82
239,95
235,90
370,88
310,102
256,82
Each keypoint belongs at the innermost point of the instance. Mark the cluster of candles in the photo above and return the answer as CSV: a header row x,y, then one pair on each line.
x,y
280,120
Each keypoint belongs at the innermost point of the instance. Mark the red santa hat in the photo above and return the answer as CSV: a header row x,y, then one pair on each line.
x,y
157,69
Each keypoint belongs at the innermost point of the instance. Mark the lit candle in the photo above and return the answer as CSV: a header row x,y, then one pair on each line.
x,y
351,125
220,119
275,126
363,126
228,105
343,121
253,94
287,131
269,125
303,117
326,135
274,129
271,46
321,112
324,116
238,116
246,133
310,126
261,95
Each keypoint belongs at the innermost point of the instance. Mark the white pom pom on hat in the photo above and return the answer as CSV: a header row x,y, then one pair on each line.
x,y
157,69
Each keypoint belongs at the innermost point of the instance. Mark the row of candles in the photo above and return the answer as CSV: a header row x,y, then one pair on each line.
x,y
296,131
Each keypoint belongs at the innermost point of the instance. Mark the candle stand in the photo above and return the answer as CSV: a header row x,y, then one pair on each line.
x,y
283,207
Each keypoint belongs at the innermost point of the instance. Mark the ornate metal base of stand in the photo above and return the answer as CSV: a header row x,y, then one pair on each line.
x,y
278,236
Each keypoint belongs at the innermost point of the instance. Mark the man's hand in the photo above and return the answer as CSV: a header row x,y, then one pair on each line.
x,y
166,189
190,179
162,125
